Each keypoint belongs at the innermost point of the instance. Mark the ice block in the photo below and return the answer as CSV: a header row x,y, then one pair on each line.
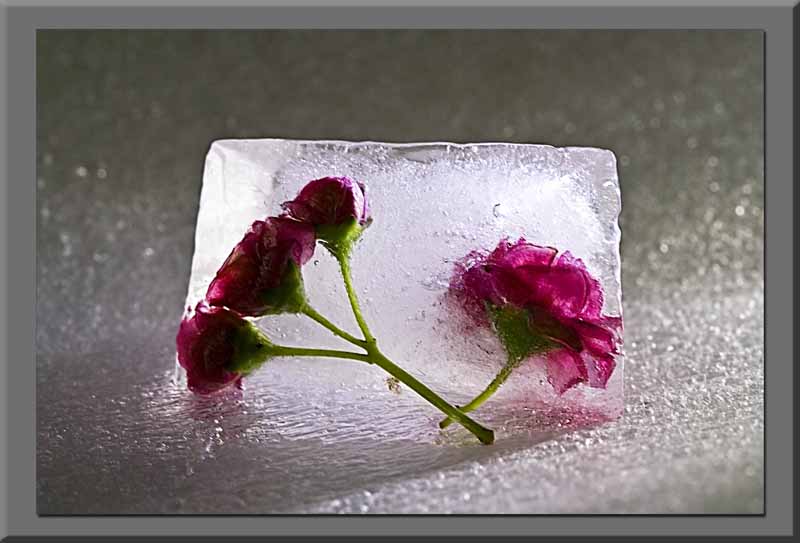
x,y
432,205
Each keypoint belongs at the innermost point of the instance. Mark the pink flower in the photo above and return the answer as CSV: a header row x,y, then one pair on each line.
x,y
261,275
562,304
330,201
216,346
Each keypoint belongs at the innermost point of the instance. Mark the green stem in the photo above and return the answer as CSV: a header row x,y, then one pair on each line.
x,y
315,316
485,435
280,350
343,256
487,392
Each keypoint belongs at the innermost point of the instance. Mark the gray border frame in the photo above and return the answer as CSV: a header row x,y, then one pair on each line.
x,y
18,22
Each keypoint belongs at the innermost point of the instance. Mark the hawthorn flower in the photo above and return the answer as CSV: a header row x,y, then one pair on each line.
x,y
217,347
261,275
541,302
336,207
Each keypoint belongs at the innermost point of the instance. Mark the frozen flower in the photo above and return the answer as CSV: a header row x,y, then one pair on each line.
x,y
262,274
217,347
335,206
541,302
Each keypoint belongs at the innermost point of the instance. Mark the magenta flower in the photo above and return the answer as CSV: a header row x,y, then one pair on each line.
x,y
262,274
329,201
336,207
542,303
217,347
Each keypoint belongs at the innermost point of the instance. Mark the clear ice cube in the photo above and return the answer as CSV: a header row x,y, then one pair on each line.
x,y
432,204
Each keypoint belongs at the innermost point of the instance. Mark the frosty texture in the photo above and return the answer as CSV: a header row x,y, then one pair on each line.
x,y
431,204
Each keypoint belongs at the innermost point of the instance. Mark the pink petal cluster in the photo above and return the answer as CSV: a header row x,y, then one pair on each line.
x,y
259,263
206,338
330,201
256,280
564,303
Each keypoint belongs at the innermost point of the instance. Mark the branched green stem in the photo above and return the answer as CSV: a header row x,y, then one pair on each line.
x,y
375,356
343,257
485,435
281,350
317,317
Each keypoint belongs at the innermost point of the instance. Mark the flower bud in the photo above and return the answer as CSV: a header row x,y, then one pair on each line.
x,y
262,276
335,206
217,348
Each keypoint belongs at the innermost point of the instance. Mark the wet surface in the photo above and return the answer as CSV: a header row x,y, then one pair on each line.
x,y
124,122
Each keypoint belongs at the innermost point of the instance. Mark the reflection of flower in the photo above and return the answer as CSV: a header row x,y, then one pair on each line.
x,y
529,290
330,201
216,347
261,275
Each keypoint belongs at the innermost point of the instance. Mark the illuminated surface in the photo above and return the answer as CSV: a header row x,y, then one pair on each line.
x,y
124,122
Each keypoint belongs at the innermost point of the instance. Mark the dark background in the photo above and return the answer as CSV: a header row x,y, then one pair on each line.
x,y
124,119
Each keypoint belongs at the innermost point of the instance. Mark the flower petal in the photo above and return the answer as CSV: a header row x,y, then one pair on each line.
x,y
599,368
597,339
593,300
565,369
562,290
523,253
527,272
